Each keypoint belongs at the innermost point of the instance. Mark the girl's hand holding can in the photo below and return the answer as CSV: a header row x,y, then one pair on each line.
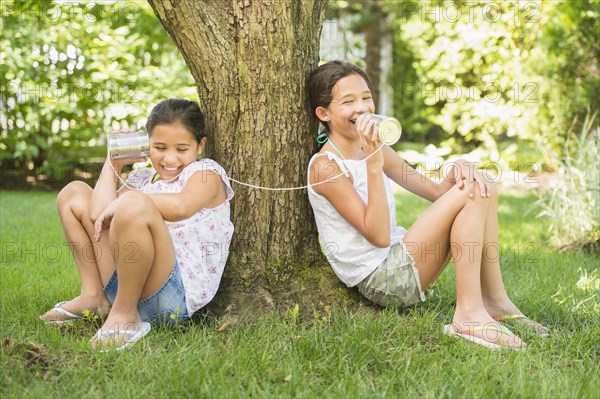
x,y
122,150
367,129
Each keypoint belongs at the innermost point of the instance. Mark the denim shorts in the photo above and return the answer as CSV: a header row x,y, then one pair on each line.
x,y
165,306
395,282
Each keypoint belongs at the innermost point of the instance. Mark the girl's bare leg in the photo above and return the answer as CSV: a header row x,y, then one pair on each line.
x,y
495,298
457,222
94,261
494,294
144,254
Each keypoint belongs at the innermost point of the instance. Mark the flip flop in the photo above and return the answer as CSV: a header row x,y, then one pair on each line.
x,y
525,321
59,309
131,336
468,335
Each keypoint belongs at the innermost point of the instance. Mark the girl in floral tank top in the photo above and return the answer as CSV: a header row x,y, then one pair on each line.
x,y
167,228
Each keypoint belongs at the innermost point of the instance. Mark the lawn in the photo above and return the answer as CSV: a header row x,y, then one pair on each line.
x,y
348,355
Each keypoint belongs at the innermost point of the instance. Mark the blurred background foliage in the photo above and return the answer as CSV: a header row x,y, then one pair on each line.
x,y
487,75
72,71
465,75
573,204
511,82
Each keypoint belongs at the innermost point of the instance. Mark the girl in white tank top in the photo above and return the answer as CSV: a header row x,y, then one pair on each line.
x,y
355,212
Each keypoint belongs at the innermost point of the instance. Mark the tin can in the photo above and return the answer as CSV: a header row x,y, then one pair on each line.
x,y
128,145
390,128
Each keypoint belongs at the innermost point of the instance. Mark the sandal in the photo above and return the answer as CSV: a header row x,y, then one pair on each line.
x,y
521,319
58,308
468,334
130,337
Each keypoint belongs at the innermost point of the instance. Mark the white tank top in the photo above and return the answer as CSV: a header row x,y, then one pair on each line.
x,y
351,256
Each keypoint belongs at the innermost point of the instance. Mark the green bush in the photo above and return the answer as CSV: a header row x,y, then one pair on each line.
x,y
71,71
460,72
573,203
474,74
567,57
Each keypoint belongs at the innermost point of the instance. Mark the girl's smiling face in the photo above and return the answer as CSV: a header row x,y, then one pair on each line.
x,y
351,98
172,148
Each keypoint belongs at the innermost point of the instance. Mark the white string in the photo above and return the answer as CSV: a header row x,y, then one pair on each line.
x,y
119,177
301,187
258,187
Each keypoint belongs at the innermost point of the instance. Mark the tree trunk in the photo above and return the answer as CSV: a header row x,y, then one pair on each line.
x,y
373,34
250,60
373,24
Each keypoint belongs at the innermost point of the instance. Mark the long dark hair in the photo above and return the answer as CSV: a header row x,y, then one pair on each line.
x,y
322,80
178,110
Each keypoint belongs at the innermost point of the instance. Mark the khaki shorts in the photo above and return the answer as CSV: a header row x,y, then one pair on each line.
x,y
395,282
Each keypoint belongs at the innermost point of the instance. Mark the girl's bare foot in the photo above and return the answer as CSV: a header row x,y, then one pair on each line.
x,y
118,330
481,326
508,312
73,309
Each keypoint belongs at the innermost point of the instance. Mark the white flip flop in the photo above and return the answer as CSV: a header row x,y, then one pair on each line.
x,y
58,308
468,335
131,336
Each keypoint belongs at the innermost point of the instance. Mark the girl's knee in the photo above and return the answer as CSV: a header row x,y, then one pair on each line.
x,y
464,193
72,194
473,201
134,207
134,198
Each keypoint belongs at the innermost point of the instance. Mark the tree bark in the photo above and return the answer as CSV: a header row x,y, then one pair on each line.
x,y
372,23
250,60
373,34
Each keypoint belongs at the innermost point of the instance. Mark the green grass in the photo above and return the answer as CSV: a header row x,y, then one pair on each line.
x,y
352,354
